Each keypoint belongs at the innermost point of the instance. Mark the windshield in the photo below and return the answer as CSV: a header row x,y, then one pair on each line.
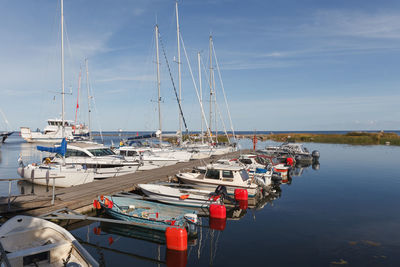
x,y
244,175
101,152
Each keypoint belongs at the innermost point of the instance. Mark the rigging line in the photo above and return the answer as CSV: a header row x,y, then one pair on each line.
x,y
173,84
197,91
5,119
95,109
223,91
223,123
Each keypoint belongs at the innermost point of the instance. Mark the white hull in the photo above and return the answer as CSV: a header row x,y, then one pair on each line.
x,y
23,237
104,167
178,196
208,184
70,175
50,137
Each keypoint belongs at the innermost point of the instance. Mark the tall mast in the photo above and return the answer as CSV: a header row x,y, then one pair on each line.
x,y
158,86
62,68
89,97
211,83
201,97
179,69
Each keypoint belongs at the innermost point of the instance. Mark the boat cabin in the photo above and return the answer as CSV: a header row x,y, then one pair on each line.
x,y
226,173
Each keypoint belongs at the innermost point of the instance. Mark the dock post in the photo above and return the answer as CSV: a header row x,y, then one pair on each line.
x,y
9,195
52,198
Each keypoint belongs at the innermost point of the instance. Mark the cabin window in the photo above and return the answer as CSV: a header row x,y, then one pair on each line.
x,y
75,153
244,175
101,152
227,174
245,161
212,174
122,152
132,153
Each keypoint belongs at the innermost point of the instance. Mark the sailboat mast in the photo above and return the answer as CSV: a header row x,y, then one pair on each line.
x,y
89,97
158,86
201,97
211,84
179,69
62,68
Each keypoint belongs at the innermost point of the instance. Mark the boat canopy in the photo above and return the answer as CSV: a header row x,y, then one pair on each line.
x,y
59,149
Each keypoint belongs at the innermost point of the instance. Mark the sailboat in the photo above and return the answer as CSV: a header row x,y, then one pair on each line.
x,y
5,134
60,174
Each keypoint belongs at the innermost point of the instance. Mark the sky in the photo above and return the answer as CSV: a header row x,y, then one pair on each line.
x,y
284,64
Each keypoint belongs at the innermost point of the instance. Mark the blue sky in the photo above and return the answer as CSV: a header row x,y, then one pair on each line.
x,y
285,65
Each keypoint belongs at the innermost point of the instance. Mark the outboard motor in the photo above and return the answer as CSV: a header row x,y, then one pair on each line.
x,y
276,177
192,220
316,165
223,193
315,155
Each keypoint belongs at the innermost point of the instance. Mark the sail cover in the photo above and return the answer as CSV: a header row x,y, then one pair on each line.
x,y
58,149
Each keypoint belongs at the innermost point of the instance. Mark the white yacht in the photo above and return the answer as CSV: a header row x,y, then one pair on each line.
x,y
97,158
52,133
148,159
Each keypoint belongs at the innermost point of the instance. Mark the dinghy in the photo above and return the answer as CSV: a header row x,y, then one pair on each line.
x,y
148,214
180,196
30,241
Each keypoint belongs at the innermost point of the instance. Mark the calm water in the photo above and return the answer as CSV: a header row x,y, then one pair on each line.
x,y
345,212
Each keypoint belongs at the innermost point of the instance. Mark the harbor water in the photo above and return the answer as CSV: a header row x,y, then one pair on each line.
x,y
342,211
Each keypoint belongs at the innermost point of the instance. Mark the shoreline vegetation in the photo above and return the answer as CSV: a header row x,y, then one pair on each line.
x,y
350,138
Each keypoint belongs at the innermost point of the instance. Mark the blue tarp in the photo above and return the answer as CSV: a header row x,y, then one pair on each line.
x,y
59,149
260,170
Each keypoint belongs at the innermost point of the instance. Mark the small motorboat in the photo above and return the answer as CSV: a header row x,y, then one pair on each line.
x,y
230,176
30,241
149,214
180,196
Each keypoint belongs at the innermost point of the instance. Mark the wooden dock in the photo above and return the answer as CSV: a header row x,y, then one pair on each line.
x,y
80,198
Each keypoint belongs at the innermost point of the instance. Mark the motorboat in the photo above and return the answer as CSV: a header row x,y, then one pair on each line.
x,y
177,195
30,241
52,133
148,159
295,150
149,214
232,177
161,150
96,158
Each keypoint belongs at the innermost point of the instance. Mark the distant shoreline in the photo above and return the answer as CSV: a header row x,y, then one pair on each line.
x,y
351,138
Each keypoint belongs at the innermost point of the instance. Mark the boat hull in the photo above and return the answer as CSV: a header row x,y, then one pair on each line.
x,y
65,176
190,178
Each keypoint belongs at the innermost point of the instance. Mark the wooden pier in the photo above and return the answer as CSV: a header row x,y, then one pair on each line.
x,y
80,198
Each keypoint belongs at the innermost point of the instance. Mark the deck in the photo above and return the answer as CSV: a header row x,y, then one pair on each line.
x,y
80,198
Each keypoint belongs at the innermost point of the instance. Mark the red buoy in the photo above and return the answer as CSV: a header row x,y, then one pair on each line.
x,y
176,238
217,211
217,224
111,204
289,161
241,194
243,204
176,258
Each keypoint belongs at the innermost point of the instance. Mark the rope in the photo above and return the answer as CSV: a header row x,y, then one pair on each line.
x,y
173,84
